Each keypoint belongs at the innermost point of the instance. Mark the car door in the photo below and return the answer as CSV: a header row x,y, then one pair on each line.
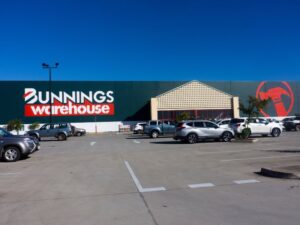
x,y
55,129
263,126
212,130
200,128
2,134
165,127
172,127
44,130
160,126
50,130
254,126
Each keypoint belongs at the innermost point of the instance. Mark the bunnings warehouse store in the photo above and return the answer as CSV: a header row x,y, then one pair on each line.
x,y
101,106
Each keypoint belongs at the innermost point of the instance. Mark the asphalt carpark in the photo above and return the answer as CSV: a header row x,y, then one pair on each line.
x,y
131,179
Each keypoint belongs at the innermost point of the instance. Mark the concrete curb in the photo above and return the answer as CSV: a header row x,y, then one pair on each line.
x,y
277,174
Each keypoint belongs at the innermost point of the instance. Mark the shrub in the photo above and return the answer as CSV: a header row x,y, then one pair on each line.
x,y
34,126
182,116
246,132
15,124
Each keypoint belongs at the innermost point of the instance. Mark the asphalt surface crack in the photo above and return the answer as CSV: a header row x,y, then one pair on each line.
x,y
148,209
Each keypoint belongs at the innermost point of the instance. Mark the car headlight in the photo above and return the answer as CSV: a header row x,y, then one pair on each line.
x,y
28,140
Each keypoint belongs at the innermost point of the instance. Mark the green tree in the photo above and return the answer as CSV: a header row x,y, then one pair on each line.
x,y
15,124
252,110
182,116
254,106
34,126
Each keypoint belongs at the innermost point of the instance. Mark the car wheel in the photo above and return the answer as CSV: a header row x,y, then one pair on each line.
x,y
78,134
11,154
226,136
62,137
154,134
298,128
276,132
192,138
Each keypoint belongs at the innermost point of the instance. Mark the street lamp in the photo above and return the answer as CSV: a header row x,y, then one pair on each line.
x,y
46,66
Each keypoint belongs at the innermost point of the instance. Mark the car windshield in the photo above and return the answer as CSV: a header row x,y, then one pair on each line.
x,y
4,133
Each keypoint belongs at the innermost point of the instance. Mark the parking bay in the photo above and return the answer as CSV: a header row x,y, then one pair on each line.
x,y
78,174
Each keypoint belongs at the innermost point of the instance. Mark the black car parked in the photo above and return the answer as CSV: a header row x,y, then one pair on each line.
x,y
292,124
14,147
77,131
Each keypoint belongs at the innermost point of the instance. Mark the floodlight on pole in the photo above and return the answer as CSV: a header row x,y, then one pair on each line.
x,y
47,66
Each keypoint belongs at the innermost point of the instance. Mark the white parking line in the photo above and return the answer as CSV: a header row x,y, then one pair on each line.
x,y
136,141
8,174
138,184
246,181
267,157
203,185
224,152
93,143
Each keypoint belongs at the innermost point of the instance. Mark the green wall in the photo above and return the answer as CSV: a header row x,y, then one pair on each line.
x,y
131,99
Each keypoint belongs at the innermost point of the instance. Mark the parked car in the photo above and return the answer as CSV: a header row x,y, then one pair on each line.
x,y
156,128
193,131
223,123
14,147
61,131
258,126
139,128
77,131
292,124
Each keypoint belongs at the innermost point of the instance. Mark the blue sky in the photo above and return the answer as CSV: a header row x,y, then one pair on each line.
x,y
150,40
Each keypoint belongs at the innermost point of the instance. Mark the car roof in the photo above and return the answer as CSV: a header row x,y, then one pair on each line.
x,y
189,121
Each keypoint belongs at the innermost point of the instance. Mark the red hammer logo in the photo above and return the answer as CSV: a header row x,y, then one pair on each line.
x,y
275,94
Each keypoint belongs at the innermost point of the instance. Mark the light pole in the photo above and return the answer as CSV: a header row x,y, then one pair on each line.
x,y
46,66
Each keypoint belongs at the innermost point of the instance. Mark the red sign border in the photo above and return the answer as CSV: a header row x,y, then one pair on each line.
x,y
286,84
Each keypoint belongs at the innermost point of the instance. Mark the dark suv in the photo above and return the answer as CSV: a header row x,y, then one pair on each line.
x,y
14,147
61,131
292,123
78,131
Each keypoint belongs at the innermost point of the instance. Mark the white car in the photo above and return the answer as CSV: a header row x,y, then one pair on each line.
x,y
139,128
224,123
257,126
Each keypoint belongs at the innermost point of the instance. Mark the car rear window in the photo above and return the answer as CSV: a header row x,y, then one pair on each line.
x,y
234,121
63,125
225,122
